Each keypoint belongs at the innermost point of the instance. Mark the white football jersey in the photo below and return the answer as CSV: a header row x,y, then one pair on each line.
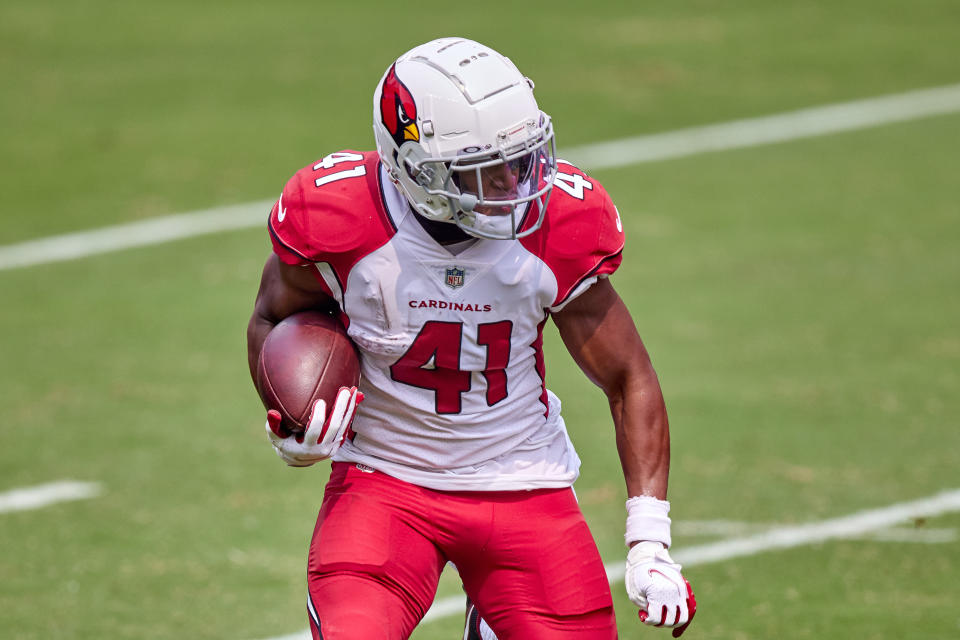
x,y
451,344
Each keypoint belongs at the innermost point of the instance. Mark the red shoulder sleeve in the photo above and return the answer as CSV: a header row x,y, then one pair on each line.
x,y
331,211
582,236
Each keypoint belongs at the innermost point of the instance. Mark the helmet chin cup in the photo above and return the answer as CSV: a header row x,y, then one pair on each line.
x,y
467,202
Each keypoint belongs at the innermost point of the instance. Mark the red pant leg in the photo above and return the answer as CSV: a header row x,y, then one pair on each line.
x,y
372,568
539,574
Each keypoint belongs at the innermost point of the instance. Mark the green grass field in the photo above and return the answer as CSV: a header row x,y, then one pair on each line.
x,y
800,300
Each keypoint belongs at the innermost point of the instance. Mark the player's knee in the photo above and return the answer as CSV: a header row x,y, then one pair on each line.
x,y
358,607
599,624
341,619
353,628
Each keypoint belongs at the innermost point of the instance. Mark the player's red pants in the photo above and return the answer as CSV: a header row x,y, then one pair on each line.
x,y
526,558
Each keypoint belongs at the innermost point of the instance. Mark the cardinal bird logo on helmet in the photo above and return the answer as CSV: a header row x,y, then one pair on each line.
x,y
398,110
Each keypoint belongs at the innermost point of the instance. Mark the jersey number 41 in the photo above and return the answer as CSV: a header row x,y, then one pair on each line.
x,y
433,362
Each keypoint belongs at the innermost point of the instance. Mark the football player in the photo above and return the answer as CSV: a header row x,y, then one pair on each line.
x,y
444,253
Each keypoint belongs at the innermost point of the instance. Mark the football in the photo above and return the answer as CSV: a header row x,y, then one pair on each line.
x,y
306,357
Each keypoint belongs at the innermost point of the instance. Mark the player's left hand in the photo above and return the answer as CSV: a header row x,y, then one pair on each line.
x,y
324,435
655,584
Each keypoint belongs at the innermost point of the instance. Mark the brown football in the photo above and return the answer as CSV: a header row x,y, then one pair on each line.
x,y
306,357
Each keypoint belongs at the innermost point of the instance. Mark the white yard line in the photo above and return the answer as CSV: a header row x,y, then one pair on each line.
x,y
43,495
851,526
731,528
793,125
134,234
752,132
788,537
915,535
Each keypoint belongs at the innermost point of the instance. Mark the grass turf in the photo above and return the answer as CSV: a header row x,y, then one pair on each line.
x,y
799,300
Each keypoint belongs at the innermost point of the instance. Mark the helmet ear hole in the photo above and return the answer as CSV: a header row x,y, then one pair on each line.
x,y
412,172
414,161
410,157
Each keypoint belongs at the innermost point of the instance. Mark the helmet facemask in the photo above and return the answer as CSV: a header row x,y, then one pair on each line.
x,y
487,194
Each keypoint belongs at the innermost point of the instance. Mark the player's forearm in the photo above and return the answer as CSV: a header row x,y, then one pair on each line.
x,y
642,435
257,330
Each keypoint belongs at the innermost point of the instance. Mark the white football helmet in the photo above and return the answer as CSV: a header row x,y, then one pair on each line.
x,y
461,135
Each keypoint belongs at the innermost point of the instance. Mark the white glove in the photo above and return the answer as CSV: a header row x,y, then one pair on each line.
x,y
324,434
655,584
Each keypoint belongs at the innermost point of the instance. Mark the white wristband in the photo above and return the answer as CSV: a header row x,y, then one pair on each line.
x,y
648,520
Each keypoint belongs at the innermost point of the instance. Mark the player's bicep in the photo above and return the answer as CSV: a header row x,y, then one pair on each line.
x,y
600,335
284,290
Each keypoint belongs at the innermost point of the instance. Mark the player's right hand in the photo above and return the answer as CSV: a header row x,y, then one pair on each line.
x,y
655,584
324,435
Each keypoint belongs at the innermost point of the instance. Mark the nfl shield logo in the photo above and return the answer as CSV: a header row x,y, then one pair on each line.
x,y
454,278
